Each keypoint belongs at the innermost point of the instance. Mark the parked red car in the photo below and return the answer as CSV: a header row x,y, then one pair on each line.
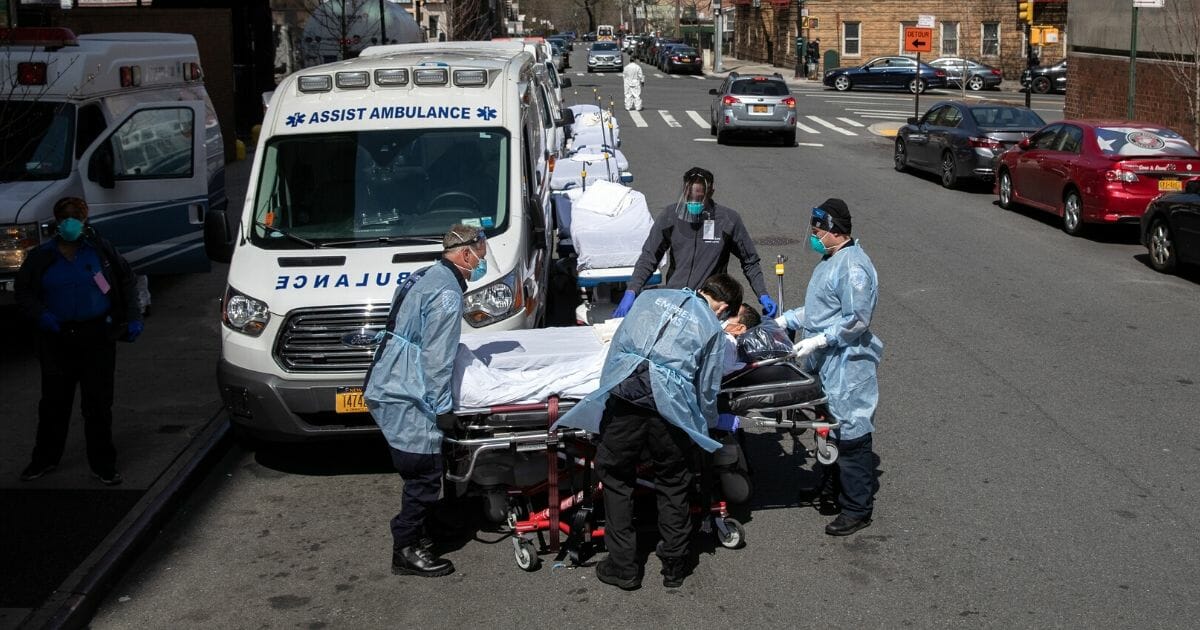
x,y
1095,171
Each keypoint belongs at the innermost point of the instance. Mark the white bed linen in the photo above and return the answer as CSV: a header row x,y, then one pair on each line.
x,y
568,172
602,241
526,366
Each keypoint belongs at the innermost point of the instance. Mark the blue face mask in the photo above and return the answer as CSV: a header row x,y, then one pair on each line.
x,y
695,207
70,229
479,270
816,244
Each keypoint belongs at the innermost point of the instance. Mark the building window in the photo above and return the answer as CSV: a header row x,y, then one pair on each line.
x,y
904,25
990,40
949,39
851,39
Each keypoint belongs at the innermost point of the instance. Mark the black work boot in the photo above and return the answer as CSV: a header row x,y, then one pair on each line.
x,y
844,525
674,570
607,574
417,560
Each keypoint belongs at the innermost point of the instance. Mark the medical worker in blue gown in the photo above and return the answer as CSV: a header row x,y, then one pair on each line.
x,y
836,340
408,387
658,393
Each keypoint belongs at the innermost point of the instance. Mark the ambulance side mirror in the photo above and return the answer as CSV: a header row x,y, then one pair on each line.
x,y
567,118
566,82
100,167
713,91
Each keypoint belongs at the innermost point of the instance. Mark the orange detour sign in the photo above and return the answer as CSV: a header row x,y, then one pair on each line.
x,y
918,39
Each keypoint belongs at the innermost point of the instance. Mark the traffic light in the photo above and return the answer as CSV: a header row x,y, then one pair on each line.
x,y
1025,11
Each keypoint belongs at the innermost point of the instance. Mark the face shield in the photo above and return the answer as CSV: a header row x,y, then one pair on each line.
x,y
692,204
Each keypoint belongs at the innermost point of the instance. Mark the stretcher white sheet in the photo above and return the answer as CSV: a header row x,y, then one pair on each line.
x,y
568,172
591,127
526,366
609,237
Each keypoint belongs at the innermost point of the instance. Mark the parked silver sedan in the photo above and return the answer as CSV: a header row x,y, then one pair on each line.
x,y
753,104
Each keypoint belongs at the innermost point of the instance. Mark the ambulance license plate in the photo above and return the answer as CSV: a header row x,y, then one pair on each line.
x,y
350,400
1170,185
759,109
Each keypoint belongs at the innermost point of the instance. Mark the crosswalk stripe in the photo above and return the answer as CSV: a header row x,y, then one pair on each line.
x,y
657,75
668,118
851,122
578,74
696,118
699,76
673,76
887,116
805,128
638,120
826,123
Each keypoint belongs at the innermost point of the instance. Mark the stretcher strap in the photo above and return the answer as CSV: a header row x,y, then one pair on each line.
x,y
552,473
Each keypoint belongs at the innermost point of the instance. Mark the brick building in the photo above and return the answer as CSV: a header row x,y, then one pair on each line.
x,y
857,30
1168,63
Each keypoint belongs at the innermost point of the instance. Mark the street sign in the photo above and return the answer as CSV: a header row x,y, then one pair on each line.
x,y
925,21
1148,4
917,39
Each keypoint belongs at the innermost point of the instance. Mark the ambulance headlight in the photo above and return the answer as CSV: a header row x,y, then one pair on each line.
x,y
390,77
470,77
316,83
243,313
430,76
15,242
494,302
352,80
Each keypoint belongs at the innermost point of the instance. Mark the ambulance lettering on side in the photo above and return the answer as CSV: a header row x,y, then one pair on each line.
x,y
361,167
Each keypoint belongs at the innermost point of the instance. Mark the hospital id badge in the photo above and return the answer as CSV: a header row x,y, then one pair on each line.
x,y
101,282
710,229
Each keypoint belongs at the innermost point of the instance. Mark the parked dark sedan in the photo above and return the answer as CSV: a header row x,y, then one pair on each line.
x,y
683,59
961,139
886,73
976,75
1171,228
1046,79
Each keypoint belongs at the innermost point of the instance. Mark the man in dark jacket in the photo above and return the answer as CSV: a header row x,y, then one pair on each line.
x,y
700,235
82,295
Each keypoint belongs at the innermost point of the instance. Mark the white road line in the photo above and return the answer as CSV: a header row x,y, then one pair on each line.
x,y
673,76
857,110
638,120
826,123
851,122
805,128
876,103
668,118
858,97
886,116
578,74
704,139
696,118
699,76
657,75
809,144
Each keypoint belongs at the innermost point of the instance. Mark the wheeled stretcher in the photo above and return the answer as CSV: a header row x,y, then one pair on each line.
x,y
540,483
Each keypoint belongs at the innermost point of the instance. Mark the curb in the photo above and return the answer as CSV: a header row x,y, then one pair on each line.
x,y
885,129
74,602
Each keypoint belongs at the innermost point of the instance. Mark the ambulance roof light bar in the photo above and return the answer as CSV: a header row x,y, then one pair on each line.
x,y
48,36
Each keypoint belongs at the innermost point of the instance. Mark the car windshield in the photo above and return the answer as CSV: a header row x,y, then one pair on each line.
x,y
604,47
751,87
380,186
1142,142
35,140
1000,117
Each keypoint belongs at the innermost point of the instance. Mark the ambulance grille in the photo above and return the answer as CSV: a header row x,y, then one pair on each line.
x,y
312,339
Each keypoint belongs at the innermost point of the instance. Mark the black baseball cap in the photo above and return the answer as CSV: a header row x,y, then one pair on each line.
x,y
832,216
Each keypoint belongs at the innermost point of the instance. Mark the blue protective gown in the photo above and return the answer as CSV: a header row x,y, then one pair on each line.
x,y
677,332
409,382
839,304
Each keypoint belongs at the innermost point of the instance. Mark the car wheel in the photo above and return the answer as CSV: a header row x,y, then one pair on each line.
x,y
722,137
788,138
917,85
712,128
1161,247
1041,85
900,157
975,83
842,83
1072,214
949,170
1005,187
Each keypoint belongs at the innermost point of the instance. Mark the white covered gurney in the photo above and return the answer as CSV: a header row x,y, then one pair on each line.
x,y
607,224
526,366
568,171
591,127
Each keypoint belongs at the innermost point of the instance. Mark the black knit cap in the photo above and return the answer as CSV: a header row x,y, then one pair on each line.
x,y
832,216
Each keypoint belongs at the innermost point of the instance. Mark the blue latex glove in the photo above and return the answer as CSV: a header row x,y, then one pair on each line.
x,y
48,322
728,422
133,329
625,305
768,305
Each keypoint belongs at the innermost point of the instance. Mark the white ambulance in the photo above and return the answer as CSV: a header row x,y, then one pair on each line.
x,y
361,166
121,120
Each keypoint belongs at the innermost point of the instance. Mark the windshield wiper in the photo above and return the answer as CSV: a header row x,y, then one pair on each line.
x,y
387,240
298,239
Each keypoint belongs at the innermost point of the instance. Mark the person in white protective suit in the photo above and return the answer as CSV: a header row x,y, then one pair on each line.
x,y
634,79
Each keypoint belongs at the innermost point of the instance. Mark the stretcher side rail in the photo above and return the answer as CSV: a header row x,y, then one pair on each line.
x,y
520,442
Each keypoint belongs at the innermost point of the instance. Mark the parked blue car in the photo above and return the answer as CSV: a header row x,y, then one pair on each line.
x,y
888,73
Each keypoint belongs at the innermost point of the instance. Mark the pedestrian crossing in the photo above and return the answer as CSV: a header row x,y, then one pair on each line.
x,y
694,119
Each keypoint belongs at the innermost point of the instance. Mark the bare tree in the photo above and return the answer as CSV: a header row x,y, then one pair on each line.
x,y
25,130
591,7
1180,50
470,20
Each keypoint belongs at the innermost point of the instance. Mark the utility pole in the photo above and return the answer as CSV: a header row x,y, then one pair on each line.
x,y
718,35
1025,14
1132,64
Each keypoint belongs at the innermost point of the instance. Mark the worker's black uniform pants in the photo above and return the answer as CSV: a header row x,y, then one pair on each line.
x,y
81,355
852,477
422,475
625,431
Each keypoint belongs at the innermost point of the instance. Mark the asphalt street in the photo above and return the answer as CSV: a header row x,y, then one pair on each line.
x,y
1036,433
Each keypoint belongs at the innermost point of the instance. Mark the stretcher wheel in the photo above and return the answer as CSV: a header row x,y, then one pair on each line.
x,y
827,455
733,535
527,558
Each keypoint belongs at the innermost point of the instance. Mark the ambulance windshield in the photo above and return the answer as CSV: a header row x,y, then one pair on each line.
x,y
380,187
35,140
